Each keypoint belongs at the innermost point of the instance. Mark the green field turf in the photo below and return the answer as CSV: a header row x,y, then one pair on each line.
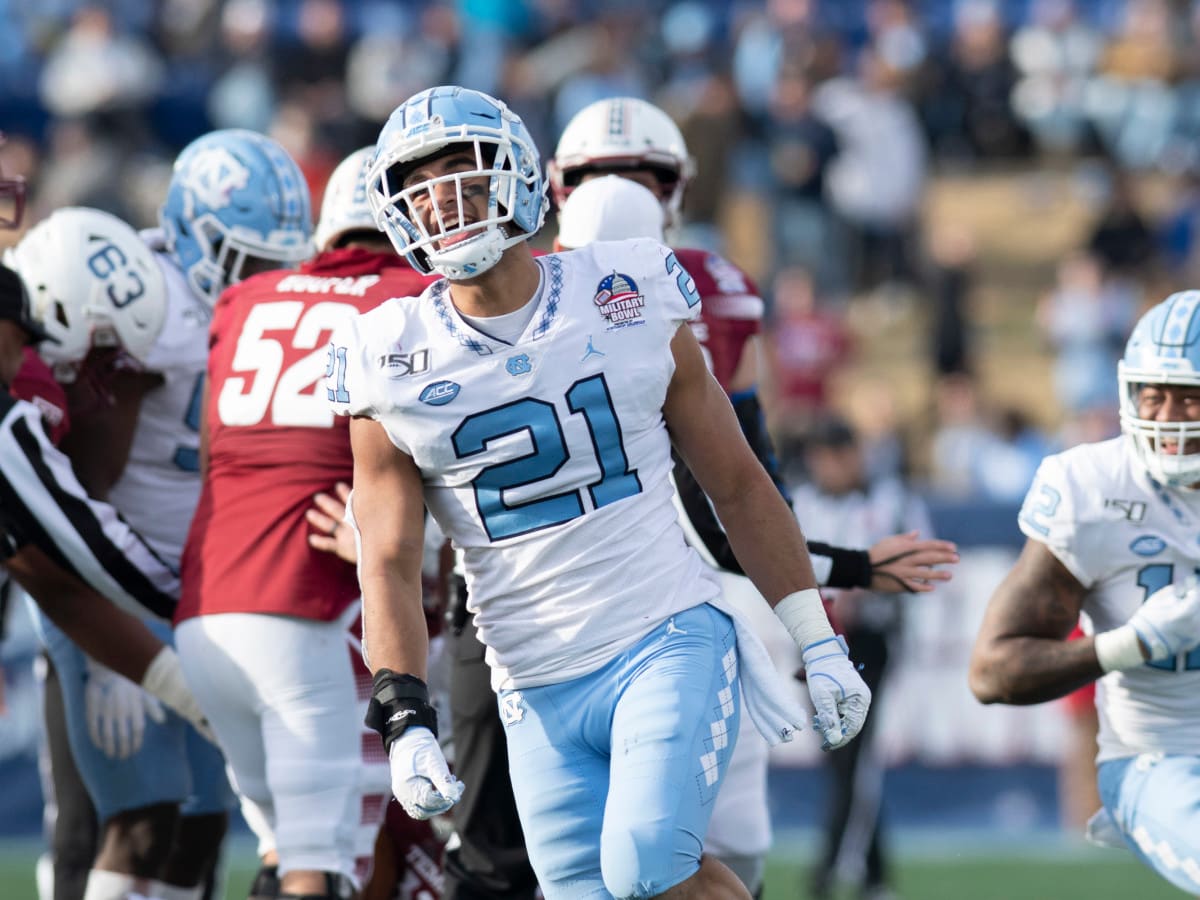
x,y
1072,874
1000,878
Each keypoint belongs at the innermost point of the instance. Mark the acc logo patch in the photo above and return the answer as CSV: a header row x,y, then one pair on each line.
x,y
440,393
619,300
1148,545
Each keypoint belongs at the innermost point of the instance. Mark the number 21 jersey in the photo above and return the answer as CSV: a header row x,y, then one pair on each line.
x,y
545,460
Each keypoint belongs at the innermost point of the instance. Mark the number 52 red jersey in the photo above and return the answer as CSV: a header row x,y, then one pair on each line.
x,y
273,440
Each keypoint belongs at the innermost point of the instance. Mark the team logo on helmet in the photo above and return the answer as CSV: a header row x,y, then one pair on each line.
x,y
619,300
214,174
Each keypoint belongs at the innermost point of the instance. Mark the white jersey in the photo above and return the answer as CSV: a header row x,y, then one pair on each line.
x,y
545,461
1123,537
159,488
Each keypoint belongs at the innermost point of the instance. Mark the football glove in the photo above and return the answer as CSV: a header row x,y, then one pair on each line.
x,y
839,695
1169,621
116,711
164,679
421,780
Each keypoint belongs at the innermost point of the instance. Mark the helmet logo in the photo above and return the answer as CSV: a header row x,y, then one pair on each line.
x,y
213,175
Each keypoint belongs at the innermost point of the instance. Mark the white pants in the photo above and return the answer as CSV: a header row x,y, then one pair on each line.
x,y
280,694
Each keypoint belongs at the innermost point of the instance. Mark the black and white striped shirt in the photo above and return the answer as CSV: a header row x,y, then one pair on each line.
x,y
43,503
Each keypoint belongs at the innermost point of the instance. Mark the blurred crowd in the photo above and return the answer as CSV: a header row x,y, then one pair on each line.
x,y
826,119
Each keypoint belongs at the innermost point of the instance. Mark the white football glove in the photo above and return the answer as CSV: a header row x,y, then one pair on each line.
x,y
164,679
1169,621
116,711
838,693
421,780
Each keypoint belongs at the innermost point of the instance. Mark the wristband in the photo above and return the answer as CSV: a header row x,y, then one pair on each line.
x,y
848,569
398,702
1118,649
803,614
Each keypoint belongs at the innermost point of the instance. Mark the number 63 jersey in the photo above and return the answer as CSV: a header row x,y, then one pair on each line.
x,y
545,460
1123,536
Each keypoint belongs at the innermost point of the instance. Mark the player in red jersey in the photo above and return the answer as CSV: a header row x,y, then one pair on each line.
x,y
262,621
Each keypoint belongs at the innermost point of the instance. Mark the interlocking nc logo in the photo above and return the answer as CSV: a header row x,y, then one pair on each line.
x,y
511,710
518,365
214,174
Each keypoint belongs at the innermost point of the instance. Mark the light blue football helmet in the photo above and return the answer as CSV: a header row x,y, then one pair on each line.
x,y
234,195
1163,349
424,126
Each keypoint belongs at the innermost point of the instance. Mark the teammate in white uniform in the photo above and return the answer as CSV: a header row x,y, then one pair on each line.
x,y
1112,533
538,429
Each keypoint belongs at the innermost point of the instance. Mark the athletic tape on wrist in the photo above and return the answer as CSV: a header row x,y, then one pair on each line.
x,y
803,614
1119,649
398,702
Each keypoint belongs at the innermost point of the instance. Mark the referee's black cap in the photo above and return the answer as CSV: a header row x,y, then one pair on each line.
x,y
14,305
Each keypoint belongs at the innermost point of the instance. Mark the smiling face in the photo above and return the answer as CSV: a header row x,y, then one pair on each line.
x,y
444,200
1167,403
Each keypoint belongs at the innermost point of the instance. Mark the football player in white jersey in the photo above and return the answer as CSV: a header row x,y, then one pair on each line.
x,y
532,404
1112,532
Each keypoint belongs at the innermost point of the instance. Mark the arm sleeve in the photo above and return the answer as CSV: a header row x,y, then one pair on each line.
x,y
41,502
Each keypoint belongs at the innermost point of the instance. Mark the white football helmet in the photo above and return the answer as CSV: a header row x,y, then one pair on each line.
x,y
619,134
611,208
344,207
92,282
1164,349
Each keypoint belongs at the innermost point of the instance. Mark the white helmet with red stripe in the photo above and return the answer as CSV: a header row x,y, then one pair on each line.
x,y
619,135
